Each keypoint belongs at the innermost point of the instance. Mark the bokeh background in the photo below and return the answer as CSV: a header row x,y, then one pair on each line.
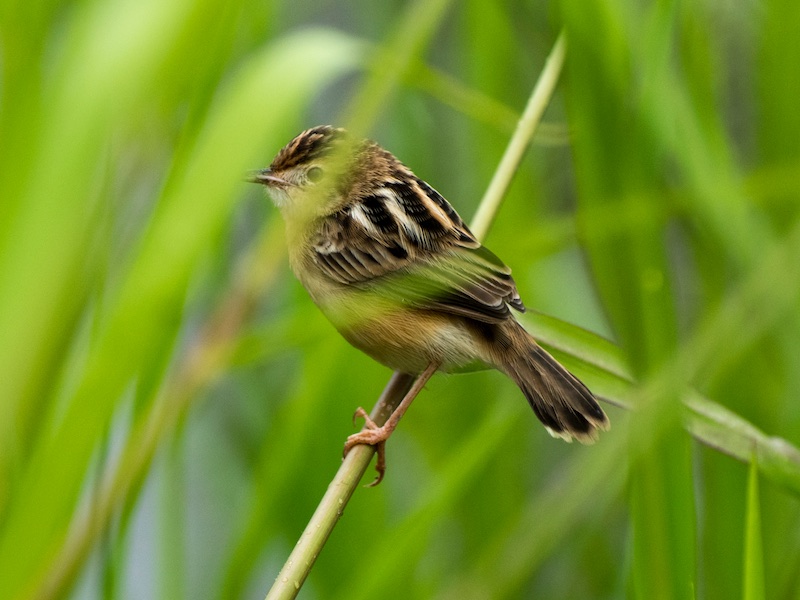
x,y
172,406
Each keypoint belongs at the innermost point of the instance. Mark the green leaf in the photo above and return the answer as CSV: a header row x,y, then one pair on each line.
x,y
142,314
753,579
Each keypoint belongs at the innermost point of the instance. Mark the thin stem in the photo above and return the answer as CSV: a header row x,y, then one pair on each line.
x,y
203,362
375,435
311,542
540,98
332,505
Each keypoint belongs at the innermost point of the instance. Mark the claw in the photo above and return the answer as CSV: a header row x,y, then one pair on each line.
x,y
368,422
374,436
380,464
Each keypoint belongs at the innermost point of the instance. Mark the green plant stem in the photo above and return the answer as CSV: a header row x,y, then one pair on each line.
x,y
540,98
333,503
330,508
202,364
717,427
707,421
753,582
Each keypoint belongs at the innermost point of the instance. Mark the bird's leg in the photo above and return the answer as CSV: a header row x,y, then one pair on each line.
x,y
377,436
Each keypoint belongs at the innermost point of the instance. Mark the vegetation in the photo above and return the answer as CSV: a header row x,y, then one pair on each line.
x,y
172,406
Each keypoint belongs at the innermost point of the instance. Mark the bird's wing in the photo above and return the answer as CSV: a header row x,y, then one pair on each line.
x,y
409,244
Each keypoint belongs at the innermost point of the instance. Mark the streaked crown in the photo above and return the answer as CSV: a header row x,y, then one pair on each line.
x,y
311,145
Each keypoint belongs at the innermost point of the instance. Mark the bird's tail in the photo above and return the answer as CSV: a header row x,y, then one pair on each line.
x,y
560,400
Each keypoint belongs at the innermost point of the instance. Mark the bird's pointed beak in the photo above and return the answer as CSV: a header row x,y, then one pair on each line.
x,y
265,177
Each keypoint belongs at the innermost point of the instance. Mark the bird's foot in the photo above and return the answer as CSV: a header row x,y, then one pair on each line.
x,y
371,436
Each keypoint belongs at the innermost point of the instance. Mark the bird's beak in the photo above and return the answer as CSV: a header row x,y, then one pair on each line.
x,y
265,177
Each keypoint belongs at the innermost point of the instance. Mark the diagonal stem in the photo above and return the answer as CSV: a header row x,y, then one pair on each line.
x,y
376,435
528,122
338,494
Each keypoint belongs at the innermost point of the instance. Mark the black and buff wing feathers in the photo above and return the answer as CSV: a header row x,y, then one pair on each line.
x,y
410,245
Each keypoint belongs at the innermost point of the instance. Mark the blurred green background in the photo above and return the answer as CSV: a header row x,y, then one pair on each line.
x,y
172,406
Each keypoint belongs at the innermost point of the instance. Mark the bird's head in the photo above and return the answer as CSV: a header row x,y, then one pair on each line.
x,y
310,171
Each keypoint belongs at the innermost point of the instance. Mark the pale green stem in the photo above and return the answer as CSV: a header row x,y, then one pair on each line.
x,y
333,503
540,98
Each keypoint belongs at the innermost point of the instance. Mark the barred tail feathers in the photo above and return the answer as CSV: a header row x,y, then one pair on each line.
x,y
560,400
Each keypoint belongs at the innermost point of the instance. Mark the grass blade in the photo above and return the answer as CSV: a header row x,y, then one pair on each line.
x,y
753,579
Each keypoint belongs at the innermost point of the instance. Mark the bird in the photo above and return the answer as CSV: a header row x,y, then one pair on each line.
x,y
402,278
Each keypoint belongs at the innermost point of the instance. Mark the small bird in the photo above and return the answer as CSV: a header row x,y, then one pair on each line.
x,y
395,269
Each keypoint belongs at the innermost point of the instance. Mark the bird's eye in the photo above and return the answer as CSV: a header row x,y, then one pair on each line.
x,y
314,174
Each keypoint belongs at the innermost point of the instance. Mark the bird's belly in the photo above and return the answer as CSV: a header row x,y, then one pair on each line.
x,y
399,336
410,344
408,340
